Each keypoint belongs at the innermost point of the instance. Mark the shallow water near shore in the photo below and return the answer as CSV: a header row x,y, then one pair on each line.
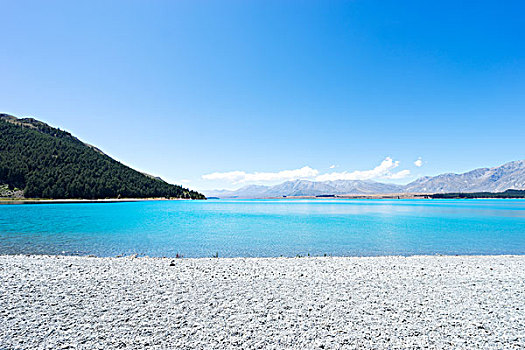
x,y
249,228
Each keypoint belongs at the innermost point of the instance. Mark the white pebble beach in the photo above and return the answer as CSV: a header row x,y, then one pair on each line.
x,y
436,302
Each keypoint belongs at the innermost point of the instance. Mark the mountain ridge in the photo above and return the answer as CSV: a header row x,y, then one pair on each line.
x,y
510,175
46,162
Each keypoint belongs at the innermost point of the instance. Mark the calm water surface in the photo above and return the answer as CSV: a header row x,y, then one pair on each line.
x,y
266,228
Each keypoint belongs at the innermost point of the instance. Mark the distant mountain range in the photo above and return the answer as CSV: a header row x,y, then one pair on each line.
x,y
498,179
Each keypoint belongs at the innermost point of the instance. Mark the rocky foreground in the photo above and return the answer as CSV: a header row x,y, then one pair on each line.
x,y
50,302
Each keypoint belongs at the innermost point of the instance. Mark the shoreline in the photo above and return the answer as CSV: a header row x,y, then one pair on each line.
x,y
281,257
9,201
105,200
365,197
388,302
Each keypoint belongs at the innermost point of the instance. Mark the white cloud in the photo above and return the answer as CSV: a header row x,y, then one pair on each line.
x,y
231,176
399,175
383,170
284,175
418,162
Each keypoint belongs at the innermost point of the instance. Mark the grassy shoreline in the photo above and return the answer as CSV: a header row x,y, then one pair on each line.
x,y
106,200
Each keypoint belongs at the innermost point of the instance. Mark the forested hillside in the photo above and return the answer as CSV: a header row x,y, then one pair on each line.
x,y
46,162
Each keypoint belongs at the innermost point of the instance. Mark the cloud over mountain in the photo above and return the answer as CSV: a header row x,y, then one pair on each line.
x,y
382,171
241,176
497,179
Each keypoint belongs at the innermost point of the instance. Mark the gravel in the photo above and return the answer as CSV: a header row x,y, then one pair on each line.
x,y
57,302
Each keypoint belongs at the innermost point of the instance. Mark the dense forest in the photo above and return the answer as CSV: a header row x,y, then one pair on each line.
x,y
506,194
46,162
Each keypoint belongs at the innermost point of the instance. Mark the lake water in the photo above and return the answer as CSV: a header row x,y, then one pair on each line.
x,y
245,228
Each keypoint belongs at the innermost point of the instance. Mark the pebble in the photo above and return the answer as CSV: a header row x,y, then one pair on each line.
x,y
433,302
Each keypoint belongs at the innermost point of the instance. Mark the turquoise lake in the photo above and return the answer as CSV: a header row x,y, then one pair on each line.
x,y
248,228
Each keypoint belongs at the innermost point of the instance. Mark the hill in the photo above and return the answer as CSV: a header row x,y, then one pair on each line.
x,y
47,162
497,179
309,188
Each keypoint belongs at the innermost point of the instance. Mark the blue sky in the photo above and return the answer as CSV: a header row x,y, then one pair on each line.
x,y
185,89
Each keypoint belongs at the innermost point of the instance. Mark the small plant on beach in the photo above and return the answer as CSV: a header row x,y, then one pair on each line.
x,y
216,255
179,256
